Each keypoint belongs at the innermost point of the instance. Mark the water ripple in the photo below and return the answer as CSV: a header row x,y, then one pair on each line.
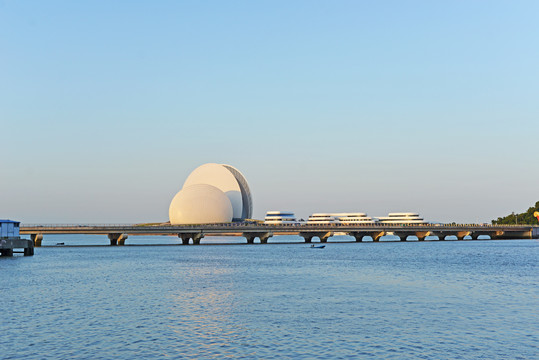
x,y
469,300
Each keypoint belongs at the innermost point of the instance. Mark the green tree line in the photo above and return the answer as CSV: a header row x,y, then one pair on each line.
x,y
525,218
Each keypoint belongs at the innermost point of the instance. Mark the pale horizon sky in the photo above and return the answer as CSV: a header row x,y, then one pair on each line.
x,y
376,107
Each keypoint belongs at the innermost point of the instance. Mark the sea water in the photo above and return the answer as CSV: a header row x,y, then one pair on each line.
x,y
394,300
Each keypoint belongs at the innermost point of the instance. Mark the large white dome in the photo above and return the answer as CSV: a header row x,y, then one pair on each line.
x,y
222,178
200,204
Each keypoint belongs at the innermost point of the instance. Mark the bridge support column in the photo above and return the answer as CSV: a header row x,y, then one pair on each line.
x,y
377,235
197,238
402,236
462,234
324,237
184,238
307,236
29,251
357,236
442,236
264,238
421,235
117,239
36,239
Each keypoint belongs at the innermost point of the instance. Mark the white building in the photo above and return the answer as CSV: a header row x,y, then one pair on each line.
x,y
341,218
353,218
322,218
212,193
280,217
401,218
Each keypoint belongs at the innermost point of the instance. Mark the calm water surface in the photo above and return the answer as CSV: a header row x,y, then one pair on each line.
x,y
429,300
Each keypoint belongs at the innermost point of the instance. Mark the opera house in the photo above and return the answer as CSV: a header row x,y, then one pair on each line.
x,y
212,193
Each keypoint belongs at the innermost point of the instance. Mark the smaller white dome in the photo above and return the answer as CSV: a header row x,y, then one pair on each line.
x,y
200,204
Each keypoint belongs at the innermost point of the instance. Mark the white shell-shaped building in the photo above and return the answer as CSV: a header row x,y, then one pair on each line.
x,y
204,195
200,204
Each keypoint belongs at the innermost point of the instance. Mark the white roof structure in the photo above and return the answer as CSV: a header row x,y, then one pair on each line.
x,y
227,180
401,218
200,204
280,217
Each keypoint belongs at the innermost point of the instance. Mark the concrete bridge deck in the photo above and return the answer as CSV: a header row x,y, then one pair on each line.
x,y
194,233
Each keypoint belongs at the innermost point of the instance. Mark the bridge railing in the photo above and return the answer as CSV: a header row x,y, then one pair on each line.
x,y
75,225
262,225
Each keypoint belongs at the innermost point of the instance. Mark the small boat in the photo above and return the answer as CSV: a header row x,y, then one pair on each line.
x,y
318,246
60,244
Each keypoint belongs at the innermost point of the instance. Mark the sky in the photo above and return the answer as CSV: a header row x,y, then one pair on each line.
x,y
324,106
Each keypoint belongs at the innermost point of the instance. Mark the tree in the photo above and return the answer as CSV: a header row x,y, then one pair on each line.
x,y
525,218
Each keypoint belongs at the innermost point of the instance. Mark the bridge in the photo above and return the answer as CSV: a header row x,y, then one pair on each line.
x,y
193,234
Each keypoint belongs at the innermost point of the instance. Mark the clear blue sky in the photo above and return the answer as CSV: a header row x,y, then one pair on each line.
x,y
374,106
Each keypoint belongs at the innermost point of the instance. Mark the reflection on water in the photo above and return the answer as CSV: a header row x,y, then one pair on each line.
x,y
451,300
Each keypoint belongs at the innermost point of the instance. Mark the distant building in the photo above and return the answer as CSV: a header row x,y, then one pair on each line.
x,y
340,218
9,229
353,218
322,218
212,193
401,218
280,217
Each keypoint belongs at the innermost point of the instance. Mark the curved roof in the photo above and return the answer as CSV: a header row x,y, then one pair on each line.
x,y
219,176
200,204
247,200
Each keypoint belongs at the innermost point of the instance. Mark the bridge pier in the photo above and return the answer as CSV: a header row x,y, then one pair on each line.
x,y
323,236
252,236
403,235
196,238
421,235
117,239
264,238
185,237
358,235
8,244
6,252
29,251
443,235
36,239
